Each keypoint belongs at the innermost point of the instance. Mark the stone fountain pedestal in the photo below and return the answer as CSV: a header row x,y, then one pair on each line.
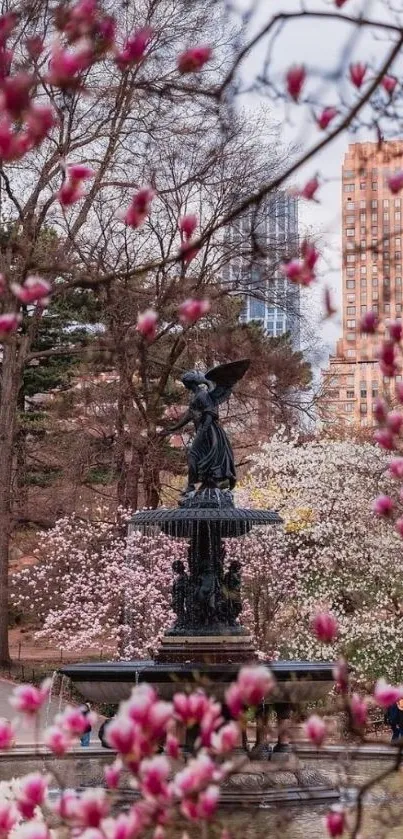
x,y
207,645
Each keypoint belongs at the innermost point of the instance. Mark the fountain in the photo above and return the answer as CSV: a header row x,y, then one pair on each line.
x,y
207,644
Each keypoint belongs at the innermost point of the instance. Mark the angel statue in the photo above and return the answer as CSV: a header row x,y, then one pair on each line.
x,y
210,457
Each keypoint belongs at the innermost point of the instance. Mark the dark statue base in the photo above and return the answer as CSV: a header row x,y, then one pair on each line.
x,y
206,648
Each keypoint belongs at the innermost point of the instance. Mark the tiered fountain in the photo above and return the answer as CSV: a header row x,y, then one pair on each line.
x,y
206,644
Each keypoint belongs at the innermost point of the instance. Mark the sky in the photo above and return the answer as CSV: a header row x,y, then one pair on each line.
x,y
323,47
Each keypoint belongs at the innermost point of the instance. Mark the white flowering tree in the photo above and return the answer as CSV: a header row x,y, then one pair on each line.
x,y
93,587
332,553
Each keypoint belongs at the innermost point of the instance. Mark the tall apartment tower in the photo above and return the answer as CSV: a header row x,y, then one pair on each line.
x,y
372,277
268,298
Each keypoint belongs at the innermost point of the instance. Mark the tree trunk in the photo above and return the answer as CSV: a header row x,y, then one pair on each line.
x,y
10,386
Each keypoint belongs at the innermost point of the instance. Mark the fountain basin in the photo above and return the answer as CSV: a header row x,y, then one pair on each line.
x,y
112,682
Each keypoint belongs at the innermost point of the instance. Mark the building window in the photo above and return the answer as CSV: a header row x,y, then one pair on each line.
x,y
351,299
398,216
350,219
374,216
374,203
348,187
351,310
363,205
374,231
363,393
375,295
398,296
398,281
397,202
374,269
348,173
363,269
350,272
363,282
350,394
363,407
363,310
363,185
350,246
374,185
351,324
387,308
350,284
350,231
398,308
386,216
350,257
350,336
350,353
348,407
374,392
375,282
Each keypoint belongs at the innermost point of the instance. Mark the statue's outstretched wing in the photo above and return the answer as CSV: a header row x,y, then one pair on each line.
x,y
224,377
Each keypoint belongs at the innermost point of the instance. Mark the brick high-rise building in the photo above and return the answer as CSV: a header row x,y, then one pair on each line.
x,y
372,277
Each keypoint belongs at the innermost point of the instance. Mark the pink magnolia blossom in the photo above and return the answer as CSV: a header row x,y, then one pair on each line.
x,y
255,683
28,699
385,694
33,290
134,48
394,421
359,710
297,272
139,209
147,324
208,802
33,789
92,807
396,467
384,438
357,73
340,675
199,772
233,699
139,704
310,254
153,775
389,83
194,59
79,172
121,735
7,734
335,822
8,817
369,323
15,94
383,506
8,22
226,738
380,410
124,826
187,225
35,46
172,746
395,182
330,308
387,359
66,66
158,718
325,627
66,805
295,78
56,740
339,3
69,193
396,330
113,773
73,721
310,189
39,120
315,730
9,323
325,118
190,709
192,310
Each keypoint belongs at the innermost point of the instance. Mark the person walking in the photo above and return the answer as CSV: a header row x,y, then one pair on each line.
x,y
86,735
102,732
394,718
